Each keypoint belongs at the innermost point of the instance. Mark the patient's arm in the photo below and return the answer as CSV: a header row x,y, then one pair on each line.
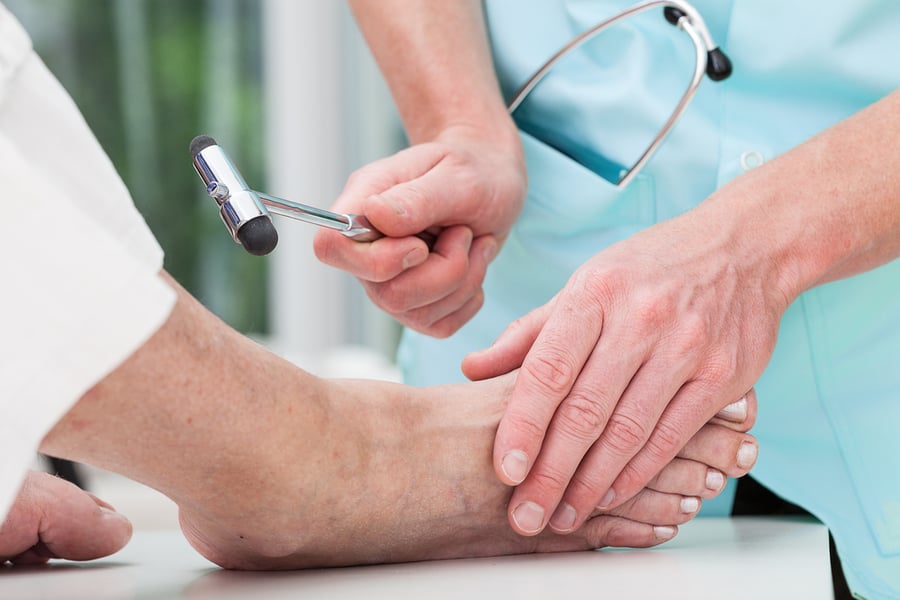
x,y
272,467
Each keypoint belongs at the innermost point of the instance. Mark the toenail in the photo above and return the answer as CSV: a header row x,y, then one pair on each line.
x,y
529,517
515,466
564,517
746,455
690,505
736,411
664,533
607,499
714,480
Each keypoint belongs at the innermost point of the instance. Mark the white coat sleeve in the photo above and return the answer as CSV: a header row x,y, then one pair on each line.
x,y
79,269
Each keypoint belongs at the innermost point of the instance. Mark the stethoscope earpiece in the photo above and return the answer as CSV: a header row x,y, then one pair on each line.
x,y
672,14
718,65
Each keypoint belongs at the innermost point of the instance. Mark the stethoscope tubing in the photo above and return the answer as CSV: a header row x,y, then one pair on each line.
x,y
691,22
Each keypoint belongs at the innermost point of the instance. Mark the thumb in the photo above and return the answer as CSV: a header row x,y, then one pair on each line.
x,y
509,350
433,199
53,518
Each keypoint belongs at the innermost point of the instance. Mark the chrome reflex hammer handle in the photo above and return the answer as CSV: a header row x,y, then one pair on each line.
x,y
245,212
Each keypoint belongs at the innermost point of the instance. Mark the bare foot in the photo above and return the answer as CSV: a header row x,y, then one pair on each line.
x,y
404,474
273,468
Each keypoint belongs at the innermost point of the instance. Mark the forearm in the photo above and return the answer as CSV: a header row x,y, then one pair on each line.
x,y
436,60
826,210
197,400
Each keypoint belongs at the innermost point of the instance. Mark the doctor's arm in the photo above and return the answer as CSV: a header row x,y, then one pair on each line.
x,y
464,174
652,335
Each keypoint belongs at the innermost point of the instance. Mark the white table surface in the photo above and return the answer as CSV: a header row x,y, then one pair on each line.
x,y
710,558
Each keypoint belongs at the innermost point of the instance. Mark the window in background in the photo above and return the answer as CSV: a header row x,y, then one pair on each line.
x,y
148,75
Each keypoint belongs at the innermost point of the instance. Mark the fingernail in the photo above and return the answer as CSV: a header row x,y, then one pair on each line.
x,y
746,455
607,499
564,517
414,258
515,466
690,505
664,533
398,208
714,480
529,517
736,411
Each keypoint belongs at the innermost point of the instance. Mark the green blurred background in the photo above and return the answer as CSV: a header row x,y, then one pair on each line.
x,y
148,75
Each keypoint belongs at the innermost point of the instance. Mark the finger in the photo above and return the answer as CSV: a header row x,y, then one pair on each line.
x,y
387,257
509,350
435,279
675,427
547,375
434,197
383,174
444,317
715,452
52,518
378,261
608,444
689,477
451,323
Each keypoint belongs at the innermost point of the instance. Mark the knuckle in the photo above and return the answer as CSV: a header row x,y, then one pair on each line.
x,y
653,310
392,298
631,479
361,176
370,178
721,369
548,479
664,442
551,369
587,485
416,320
450,324
526,427
693,333
582,417
624,434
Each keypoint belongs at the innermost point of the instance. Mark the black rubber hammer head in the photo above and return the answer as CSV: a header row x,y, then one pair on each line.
x,y
241,210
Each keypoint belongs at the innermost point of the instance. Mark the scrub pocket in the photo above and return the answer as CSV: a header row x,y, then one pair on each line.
x,y
571,214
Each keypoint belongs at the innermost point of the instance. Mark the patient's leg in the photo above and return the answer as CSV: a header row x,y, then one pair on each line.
x,y
274,468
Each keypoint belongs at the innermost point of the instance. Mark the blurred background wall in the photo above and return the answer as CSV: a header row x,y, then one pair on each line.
x,y
288,88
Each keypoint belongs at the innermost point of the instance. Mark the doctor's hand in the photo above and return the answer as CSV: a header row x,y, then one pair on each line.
x,y
647,341
463,187
52,518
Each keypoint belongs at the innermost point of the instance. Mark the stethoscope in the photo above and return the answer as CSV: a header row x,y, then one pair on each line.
x,y
245,212
708,59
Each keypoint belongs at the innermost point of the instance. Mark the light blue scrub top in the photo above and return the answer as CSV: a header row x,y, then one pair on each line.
x,y
829,417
